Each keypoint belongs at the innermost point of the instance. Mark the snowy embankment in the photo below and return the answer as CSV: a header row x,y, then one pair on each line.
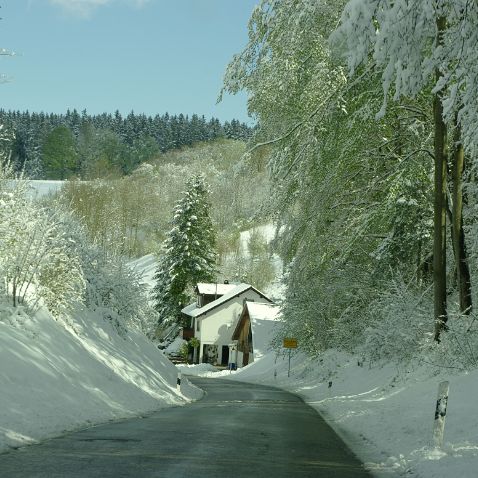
x,y
57,377
385,414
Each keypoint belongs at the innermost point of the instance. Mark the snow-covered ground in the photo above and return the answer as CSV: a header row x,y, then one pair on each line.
x,y
276,289
56,377
146,266
40,188
385,414
267,231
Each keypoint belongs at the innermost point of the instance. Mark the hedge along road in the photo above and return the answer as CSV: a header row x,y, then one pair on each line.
x,y
236,430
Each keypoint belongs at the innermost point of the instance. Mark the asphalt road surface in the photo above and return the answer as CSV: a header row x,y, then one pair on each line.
x,y
237,430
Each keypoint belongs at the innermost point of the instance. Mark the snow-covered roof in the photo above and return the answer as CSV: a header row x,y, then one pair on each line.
x,y
193,310
264,319
263,311
215,289
189,308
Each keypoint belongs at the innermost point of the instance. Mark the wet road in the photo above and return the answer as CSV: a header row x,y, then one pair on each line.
x,y
237,430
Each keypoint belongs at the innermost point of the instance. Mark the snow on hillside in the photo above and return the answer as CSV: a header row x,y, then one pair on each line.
x,y
275,290
385,414
267,231
57,377
40,188
146,266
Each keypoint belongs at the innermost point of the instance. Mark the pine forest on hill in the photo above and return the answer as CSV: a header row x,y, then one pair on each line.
x,y
59,146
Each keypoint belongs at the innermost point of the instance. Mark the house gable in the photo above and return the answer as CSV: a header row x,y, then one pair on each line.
x,y
254,330
193,310
207,293
219,322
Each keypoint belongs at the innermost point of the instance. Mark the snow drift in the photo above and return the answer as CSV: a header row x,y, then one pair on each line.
x,y
59,376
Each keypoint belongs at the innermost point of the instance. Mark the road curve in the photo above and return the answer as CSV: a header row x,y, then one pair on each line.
x,y
237,430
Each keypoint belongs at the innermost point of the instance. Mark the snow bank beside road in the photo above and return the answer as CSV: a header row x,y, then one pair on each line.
x,y
199,370
56,377
385,414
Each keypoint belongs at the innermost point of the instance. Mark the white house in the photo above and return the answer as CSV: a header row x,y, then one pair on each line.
x,y
254,331
214,317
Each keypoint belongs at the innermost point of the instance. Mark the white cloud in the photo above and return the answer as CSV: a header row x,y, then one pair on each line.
x,y
86,7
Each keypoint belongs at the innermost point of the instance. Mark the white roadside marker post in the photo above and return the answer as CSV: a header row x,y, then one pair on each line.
x,y
440,414
178,382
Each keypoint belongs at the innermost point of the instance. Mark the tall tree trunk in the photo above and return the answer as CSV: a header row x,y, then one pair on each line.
x,y
458,235
439,234
14,291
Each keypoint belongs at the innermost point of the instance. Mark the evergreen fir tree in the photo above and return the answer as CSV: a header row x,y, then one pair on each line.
x,y
189,252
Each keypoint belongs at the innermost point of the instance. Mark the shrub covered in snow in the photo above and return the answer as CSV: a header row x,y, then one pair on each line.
x,y
116,291
398,323
399,330
47,260
37,261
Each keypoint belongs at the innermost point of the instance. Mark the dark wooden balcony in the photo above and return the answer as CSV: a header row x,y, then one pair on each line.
x,y
187,333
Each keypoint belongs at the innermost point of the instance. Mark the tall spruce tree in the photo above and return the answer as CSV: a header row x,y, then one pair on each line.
x,y
189,252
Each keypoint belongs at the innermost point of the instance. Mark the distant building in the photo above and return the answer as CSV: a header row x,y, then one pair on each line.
x,y
214,317
254,331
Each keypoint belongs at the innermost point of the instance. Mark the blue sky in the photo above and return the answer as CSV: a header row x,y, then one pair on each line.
x,y
150,56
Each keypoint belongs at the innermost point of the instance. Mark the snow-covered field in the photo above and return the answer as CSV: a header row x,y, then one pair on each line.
x,y
56,377
385,414
40,188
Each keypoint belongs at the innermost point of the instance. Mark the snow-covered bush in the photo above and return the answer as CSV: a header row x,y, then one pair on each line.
x,y
59,281
399,324
37,263
116,291
458,347
47,260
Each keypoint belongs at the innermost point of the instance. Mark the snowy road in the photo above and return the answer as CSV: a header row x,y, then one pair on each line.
x,y
236,430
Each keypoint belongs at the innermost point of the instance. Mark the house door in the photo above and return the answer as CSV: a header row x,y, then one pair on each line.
x,y
225,355
210,354
245,359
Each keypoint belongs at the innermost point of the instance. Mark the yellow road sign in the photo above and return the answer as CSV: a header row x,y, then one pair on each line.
x,y
290,343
